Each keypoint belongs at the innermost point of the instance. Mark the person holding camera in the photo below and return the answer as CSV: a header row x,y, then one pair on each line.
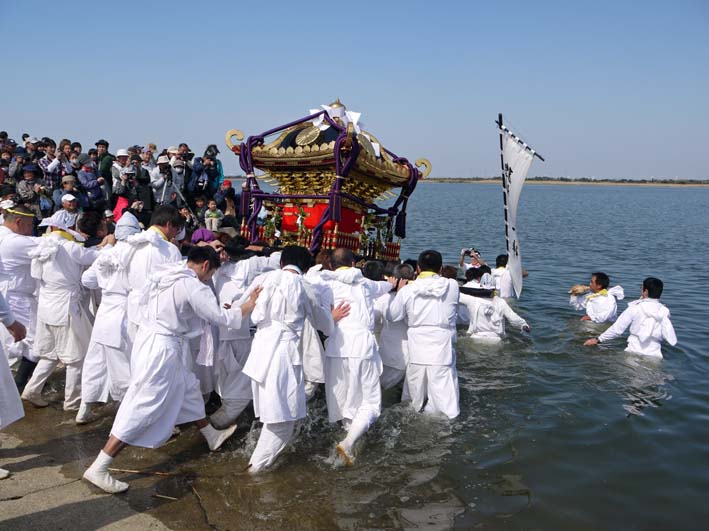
x,y
161,182
124,190
475,259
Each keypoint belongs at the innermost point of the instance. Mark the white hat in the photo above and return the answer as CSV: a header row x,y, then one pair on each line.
x,y
126,226
172,149
163,159
32,140
8,203
108,213
68,197
122,153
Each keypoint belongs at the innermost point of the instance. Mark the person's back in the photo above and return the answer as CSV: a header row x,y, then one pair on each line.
x,y
503,278
354,337
393,335
488,315
58,264
648,320
429,305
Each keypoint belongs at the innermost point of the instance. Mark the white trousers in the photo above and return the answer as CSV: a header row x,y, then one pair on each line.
x,y
106,371
352,388
272,441
391,376
436,383
72,388
25,309
231,382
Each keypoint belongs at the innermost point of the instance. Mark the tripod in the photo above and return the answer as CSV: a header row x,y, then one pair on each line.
x,y
168,182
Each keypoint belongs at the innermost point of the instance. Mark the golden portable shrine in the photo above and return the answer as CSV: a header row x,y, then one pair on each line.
x,y
328,174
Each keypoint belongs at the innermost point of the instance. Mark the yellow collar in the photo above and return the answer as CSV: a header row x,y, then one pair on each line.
x,y
343,267
426,274
65,235
161,233
594,295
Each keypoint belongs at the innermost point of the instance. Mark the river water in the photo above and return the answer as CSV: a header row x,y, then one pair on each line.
x,y
552,435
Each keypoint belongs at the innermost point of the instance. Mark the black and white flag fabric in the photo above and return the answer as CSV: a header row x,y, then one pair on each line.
x,y
516,159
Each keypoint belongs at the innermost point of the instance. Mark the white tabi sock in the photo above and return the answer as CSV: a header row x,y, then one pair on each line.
x,y
84,416
98,474
357,428
215,438
228,413
4,474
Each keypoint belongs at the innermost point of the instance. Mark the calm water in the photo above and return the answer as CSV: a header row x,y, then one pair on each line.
x,y
552,435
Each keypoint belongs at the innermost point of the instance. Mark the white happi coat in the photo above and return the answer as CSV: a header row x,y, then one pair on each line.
x,y
18,288
58,263
429,307
311,347
107,363
141,257
10,404
601,307
503,282
354,335
230,283
392,335
487,317
164,390
275,362
649,322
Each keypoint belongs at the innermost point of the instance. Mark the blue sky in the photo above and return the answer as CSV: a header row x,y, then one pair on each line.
x,y
601,89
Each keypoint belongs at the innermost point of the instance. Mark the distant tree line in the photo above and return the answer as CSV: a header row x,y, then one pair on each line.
x,y
575,180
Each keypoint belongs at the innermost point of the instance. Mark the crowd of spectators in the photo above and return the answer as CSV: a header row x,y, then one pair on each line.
x,y
45,177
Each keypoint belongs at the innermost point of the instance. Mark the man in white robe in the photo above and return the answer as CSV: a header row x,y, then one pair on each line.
x,y
10,404
146,251
106,367
429,306
353,365
392,336
648,320
486,311
275,366
18,287
311,345
63,318
164,390
230,283
601,303
503,278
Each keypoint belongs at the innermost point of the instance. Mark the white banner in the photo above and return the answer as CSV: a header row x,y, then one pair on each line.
x,y
516,160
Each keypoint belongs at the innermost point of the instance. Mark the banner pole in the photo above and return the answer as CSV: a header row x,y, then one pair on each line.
x,y
505,184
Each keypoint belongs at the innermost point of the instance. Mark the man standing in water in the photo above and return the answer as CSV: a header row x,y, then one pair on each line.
x,y
649,322
429,305
600,304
